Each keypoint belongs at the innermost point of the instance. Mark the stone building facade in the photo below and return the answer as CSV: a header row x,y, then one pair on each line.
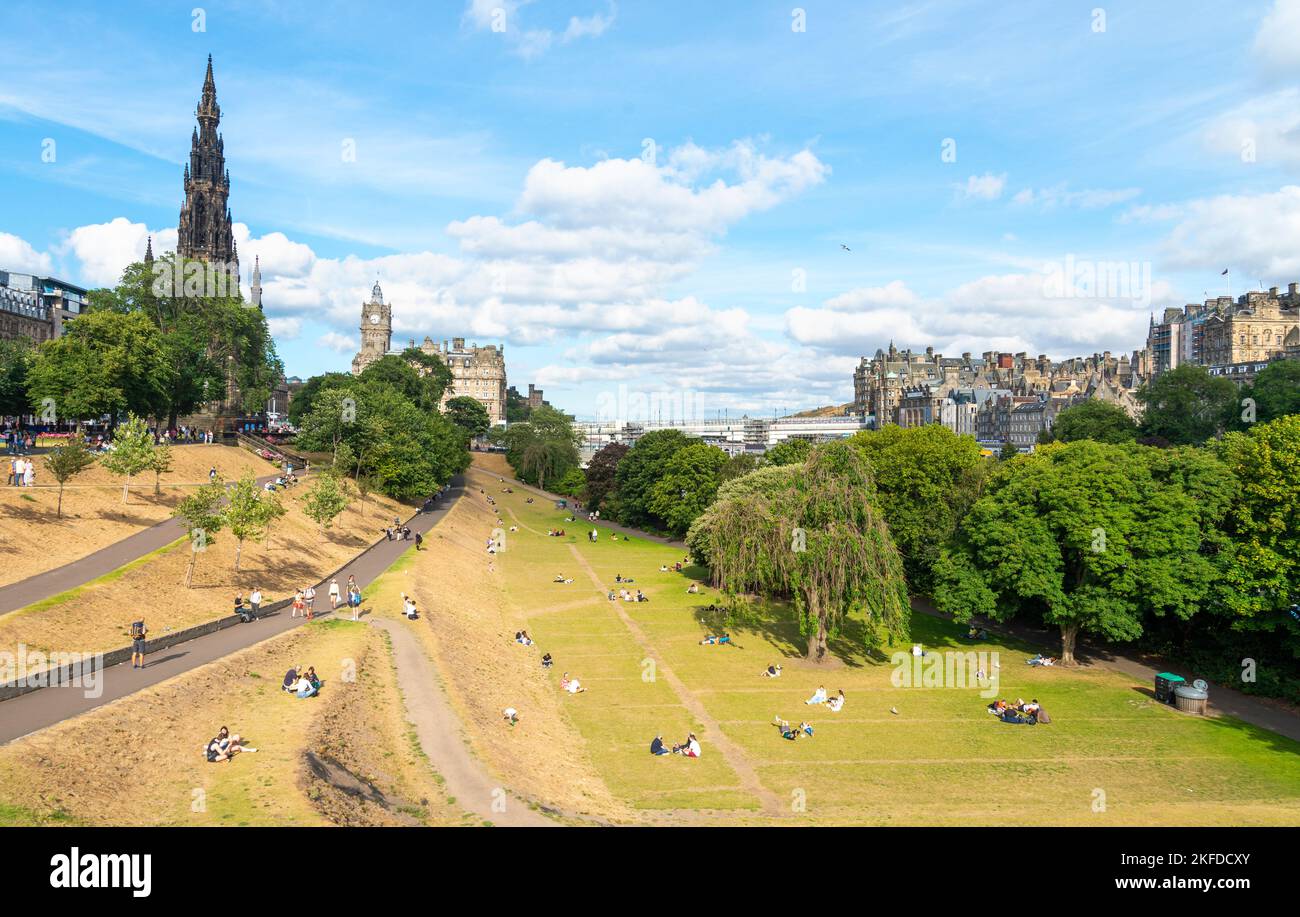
x,y
1229,337
479,372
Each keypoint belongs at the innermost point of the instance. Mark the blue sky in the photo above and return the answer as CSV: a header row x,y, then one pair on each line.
x,y
654,196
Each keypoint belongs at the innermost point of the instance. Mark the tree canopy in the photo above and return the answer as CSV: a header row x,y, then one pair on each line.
x,y
1187,406
1100,421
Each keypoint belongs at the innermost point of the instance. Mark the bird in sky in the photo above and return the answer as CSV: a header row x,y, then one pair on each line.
x,y
845,247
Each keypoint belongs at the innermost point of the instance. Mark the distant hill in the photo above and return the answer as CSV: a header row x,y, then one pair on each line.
x,y
830,410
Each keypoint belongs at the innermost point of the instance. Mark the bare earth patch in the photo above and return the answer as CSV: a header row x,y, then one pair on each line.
x,y
33,540
97,616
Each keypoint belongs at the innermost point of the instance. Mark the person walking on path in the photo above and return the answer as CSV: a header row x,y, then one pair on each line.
x,y
212,473
354,597
419,540
334,595
309,597
299,605
138,633
255,601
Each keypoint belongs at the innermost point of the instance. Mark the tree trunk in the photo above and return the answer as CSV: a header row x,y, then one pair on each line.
x,y
1069,634
239,549
817,639
189,571
58,513
125,485
157,483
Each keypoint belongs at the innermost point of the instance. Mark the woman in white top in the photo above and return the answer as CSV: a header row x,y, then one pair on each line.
x,y
334,594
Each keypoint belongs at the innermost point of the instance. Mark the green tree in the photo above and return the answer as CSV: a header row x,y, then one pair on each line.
x,y
1100,421
205,329
601,471
16,356
639,470
927,478
325,499
305,399
200,512
739,465
433,369
1084,535
813,532
104,364
160,462
688,485
1187,406
1276,392
468,414
1008,452
544,447
65,462
1263,523
789,452
249,512
132,452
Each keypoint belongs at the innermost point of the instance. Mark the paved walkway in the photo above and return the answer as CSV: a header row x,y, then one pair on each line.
x,y
1225,701
39,709
439,731
93,566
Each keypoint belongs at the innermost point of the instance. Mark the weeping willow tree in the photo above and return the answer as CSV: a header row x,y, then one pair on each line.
x,y
811,533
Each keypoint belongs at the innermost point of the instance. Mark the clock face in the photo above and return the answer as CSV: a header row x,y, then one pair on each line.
x,y
374,318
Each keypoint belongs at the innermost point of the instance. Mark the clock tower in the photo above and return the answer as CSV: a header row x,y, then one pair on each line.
x,y
376,330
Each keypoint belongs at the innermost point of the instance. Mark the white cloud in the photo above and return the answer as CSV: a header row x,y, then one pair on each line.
x,y
986,187
339,343
1061,196
18,255
105,249
1278,38
503,17
1258,234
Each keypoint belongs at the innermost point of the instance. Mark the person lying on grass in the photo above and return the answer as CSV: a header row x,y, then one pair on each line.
x,y
819,696
713,640
836,704
772,671
572,685
690,748
560,578
693,589
804,728
657,747
663,568
224,746
1040,659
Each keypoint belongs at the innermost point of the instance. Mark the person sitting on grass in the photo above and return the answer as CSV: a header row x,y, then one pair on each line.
x,y
693,589
657,747
772,671
290,678
547,661
408,608
663,568
224,746
641,596
572,685
713,640
303,688
998,707
836,703
522,637
819,696
690,748
511,716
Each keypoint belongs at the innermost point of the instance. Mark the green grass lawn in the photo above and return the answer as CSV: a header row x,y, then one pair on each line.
x,y
1111,756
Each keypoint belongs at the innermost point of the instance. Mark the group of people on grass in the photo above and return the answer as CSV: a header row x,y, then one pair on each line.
x,y
833,704
22,473
1020,713
690,748
300,682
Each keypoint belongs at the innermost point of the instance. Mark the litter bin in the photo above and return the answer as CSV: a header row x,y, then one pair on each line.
x,y
1166,683
1192,698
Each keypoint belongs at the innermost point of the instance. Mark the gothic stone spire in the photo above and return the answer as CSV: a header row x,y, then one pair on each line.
x,y
205,224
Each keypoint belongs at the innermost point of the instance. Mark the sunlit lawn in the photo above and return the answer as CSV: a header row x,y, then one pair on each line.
x,y
1111,755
